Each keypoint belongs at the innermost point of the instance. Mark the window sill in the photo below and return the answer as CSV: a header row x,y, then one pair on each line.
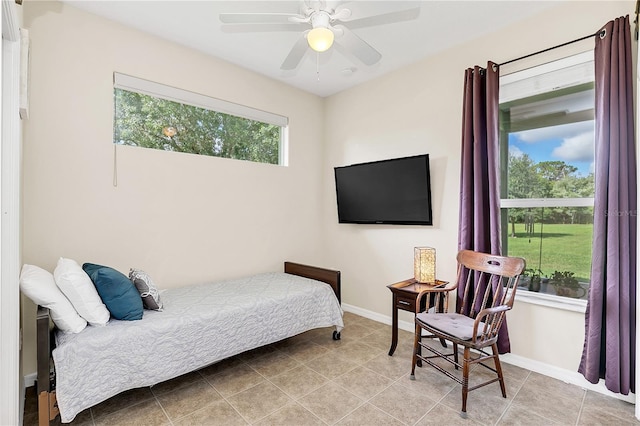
x,y
551,301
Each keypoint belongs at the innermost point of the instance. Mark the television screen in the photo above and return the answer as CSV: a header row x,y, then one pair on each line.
x,y
396,191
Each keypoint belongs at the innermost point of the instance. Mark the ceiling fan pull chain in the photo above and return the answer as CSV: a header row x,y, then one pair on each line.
x,y
318,65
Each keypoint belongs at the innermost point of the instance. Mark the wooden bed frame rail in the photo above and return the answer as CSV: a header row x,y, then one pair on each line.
x,y
45,382
47,406
328,276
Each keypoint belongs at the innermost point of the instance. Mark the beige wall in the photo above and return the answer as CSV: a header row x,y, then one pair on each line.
x,y
418,110
182,218
235,208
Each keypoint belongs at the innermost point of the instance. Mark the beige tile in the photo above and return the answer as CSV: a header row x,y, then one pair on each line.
x,y
300,338
216,413
147,413
234,380
306,351
371,324
357,331
443,415
553,387
380,339
257,352
545,402
484,405
274,363
403,404
350,317
259,401
331,365
514,373
292,414
187,399
392,367
122,400
358,351
608,406
299,381
178,382
517,415
383,381
363,382
325,339
331,402
428,381
480,374
368,415
221,366
592,416
404,350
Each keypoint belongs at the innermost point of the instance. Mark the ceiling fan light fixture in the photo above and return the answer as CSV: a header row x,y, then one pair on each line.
x,y
320,39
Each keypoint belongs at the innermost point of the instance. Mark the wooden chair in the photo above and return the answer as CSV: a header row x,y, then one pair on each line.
x,y
490,288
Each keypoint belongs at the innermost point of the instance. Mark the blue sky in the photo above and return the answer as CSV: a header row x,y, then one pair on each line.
x,y
571,143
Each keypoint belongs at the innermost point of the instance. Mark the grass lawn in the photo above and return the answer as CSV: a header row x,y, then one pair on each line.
x,y
564,248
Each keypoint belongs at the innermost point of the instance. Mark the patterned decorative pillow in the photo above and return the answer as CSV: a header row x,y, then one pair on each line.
x,y
147,289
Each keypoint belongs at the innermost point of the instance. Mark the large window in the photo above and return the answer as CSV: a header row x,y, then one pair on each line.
x,y
153,115
547,181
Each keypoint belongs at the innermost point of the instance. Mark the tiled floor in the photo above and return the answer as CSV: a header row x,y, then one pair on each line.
x,y
312,380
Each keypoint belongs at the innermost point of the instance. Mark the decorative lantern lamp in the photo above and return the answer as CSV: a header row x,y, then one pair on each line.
x,y
424,264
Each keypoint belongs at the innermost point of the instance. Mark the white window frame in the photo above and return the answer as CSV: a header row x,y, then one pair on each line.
x,y
174,94
513,86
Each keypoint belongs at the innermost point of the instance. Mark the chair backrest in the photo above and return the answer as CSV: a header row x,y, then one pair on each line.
x,y
488,280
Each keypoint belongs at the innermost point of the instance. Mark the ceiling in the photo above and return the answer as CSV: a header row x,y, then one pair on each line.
x,y
196,24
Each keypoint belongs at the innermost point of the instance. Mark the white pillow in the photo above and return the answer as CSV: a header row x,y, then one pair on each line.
x,y
40,287
79,289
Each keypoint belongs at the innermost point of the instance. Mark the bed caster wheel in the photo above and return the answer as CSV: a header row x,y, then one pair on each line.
x,y
336,335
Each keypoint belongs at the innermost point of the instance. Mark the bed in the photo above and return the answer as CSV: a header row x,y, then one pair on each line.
x,y
200,325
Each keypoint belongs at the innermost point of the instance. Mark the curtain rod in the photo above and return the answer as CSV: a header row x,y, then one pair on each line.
x,y
554,47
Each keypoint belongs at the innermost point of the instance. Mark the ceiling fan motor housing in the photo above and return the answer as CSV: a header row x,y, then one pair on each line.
x,y
320,19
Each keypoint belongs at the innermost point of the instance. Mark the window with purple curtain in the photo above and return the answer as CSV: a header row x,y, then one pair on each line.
x,y
609,346
479,226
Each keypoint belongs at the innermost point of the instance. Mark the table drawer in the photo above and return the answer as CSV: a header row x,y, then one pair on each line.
x,y
406,303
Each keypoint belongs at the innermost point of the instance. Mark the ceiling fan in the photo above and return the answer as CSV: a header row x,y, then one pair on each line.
x,y
323,21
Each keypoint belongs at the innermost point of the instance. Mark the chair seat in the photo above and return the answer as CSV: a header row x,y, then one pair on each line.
x,y
455,325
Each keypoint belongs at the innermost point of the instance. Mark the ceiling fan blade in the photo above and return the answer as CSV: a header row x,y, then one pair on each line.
x,y
295,55
259,28
342,15
358,47
257,18
383,19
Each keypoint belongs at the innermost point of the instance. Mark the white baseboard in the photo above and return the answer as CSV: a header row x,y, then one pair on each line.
x,y
30,380
567,376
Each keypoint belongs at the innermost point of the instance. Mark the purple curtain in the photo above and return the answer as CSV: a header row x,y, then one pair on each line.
x,y
479,227
609,346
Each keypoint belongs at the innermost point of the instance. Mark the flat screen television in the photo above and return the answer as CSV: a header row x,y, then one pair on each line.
x,y
395,191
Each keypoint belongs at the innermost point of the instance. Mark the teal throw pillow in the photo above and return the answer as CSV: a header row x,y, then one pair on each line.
x,y
116,291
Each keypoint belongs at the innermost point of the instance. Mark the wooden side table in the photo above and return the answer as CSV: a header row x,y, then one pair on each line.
x,y
405,294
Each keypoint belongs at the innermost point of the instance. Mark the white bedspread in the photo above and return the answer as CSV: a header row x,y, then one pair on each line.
x,y
199,326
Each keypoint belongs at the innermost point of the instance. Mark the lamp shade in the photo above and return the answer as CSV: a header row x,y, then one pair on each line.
x,y
424,264
320,39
